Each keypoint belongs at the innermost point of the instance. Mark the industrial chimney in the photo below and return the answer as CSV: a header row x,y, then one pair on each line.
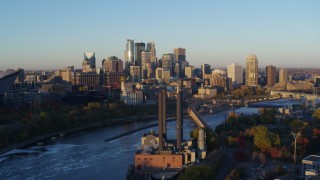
x,y
179,120
160,120
201,139
164,113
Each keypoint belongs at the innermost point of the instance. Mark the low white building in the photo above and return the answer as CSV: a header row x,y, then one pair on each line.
x,y
311,166
206,92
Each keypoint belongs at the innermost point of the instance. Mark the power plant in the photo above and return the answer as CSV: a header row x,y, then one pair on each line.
x,y
162,157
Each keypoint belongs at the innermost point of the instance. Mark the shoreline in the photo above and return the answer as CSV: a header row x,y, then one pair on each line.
x,y
93,125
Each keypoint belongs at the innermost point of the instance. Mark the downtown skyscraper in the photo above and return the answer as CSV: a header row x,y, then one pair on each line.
x,y
138,48
151,47
235,72
283,75
252,70
129,54
271,75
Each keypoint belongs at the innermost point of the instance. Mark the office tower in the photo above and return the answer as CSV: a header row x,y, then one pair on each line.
x,y
219,71
252,70
205,69
179,57
138,47
271,75
67,74
189,71
163,75
151,47
145,57
135,73
167,62
283,75
235,72
176,69
183,65
179,54
150,70
89,61
112,64
129,53
221,82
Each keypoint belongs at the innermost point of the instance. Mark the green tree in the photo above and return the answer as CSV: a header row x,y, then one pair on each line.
x,y
202,172
264,139
43,115
297,126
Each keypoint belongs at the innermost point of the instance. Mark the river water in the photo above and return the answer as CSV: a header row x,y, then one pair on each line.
x,y
85,155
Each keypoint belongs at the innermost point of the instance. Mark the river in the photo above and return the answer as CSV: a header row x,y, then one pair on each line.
x,y
85,155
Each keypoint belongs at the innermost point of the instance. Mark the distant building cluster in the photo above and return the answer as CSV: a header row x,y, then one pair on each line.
x,y
141,75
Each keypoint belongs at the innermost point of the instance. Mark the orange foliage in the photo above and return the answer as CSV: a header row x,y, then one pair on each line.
x,y
316,131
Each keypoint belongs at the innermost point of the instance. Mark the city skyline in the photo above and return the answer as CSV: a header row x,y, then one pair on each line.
x,y
283,33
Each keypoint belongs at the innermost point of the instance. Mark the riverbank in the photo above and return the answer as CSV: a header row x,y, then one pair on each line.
x,y
108,122
93,125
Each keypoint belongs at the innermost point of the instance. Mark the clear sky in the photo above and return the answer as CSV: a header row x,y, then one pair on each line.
x,y
53,34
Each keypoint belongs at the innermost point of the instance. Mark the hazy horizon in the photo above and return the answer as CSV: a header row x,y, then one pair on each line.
x,y
55,34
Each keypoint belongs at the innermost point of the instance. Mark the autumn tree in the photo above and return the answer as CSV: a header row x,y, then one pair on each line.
x,y
316,114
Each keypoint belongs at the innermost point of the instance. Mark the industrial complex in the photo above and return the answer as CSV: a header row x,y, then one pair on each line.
x,y
160,157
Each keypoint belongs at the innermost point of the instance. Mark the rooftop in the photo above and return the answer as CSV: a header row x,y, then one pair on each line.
x,y
312,158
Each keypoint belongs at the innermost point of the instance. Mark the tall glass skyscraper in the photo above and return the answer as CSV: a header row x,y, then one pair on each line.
x,y
129,52
139,47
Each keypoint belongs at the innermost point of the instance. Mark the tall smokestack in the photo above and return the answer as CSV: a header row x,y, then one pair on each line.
x,y
160,120
164,113
179,120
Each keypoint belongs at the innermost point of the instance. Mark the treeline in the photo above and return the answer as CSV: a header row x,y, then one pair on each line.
x,y
21,125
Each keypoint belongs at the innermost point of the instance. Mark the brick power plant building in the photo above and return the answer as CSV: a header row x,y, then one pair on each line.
x,y
160,157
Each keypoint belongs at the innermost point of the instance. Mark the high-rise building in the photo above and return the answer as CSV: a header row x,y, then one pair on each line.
x,y
189,71
271,75
167,62
179,54
129,53
177,70
112,64
205,69
67,74
135,73
151,47
163,75
221,82
283,75
252,70
235,72
138,47
89,61
145,57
